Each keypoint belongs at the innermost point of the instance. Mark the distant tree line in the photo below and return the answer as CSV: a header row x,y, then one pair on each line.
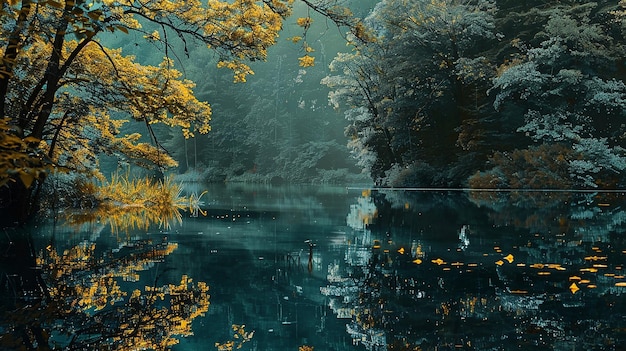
x,y
278,126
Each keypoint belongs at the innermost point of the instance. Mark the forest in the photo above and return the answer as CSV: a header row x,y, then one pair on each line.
x,y
484,94
118,117
442,93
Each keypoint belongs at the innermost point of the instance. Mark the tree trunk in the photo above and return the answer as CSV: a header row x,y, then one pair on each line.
x,y
10,53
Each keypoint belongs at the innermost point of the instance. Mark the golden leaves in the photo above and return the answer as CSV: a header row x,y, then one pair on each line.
x,y
146,93
240,70
21,159
306,61
304,22
155,36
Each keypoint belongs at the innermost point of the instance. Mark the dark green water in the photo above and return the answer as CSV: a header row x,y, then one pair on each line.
x,y
340,269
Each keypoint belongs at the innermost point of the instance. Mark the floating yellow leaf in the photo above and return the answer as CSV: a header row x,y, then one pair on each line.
x,y
574,277
519,292
591,270
509,258
499,262
417,261
376,244
401,251
574,288
595,258
438,261
620,284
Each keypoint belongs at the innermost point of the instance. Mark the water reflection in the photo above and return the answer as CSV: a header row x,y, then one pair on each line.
x,y
86,297
303,268
435,271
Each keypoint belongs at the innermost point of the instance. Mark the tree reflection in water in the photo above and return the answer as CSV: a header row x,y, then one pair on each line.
x,y
82,298
403,271
435,271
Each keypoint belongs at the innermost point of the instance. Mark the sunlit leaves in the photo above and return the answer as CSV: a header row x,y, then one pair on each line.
x,y
304,22
295,39
20,158
240,70
306,61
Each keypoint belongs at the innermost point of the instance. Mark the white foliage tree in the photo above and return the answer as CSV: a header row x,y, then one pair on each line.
x,y
567,98
413,82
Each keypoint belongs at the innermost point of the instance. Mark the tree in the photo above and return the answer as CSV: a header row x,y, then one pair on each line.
x,y
409,124
566,87
66,95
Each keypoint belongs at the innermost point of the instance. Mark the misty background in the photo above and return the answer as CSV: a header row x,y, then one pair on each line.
x,y
276,127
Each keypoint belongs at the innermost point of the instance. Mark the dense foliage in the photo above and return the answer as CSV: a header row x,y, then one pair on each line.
x,y
488,94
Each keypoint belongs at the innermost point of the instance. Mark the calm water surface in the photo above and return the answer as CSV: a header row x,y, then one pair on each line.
x,y
338,268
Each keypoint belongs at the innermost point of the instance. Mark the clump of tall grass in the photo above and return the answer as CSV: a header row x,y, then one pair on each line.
x,y
126,203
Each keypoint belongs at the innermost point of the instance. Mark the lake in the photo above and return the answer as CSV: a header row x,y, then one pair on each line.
x,y
331,268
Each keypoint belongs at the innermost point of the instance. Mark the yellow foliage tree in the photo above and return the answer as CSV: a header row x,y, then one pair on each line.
x,y
65,95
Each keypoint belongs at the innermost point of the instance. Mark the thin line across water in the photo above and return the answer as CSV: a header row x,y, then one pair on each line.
x,y
495,190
